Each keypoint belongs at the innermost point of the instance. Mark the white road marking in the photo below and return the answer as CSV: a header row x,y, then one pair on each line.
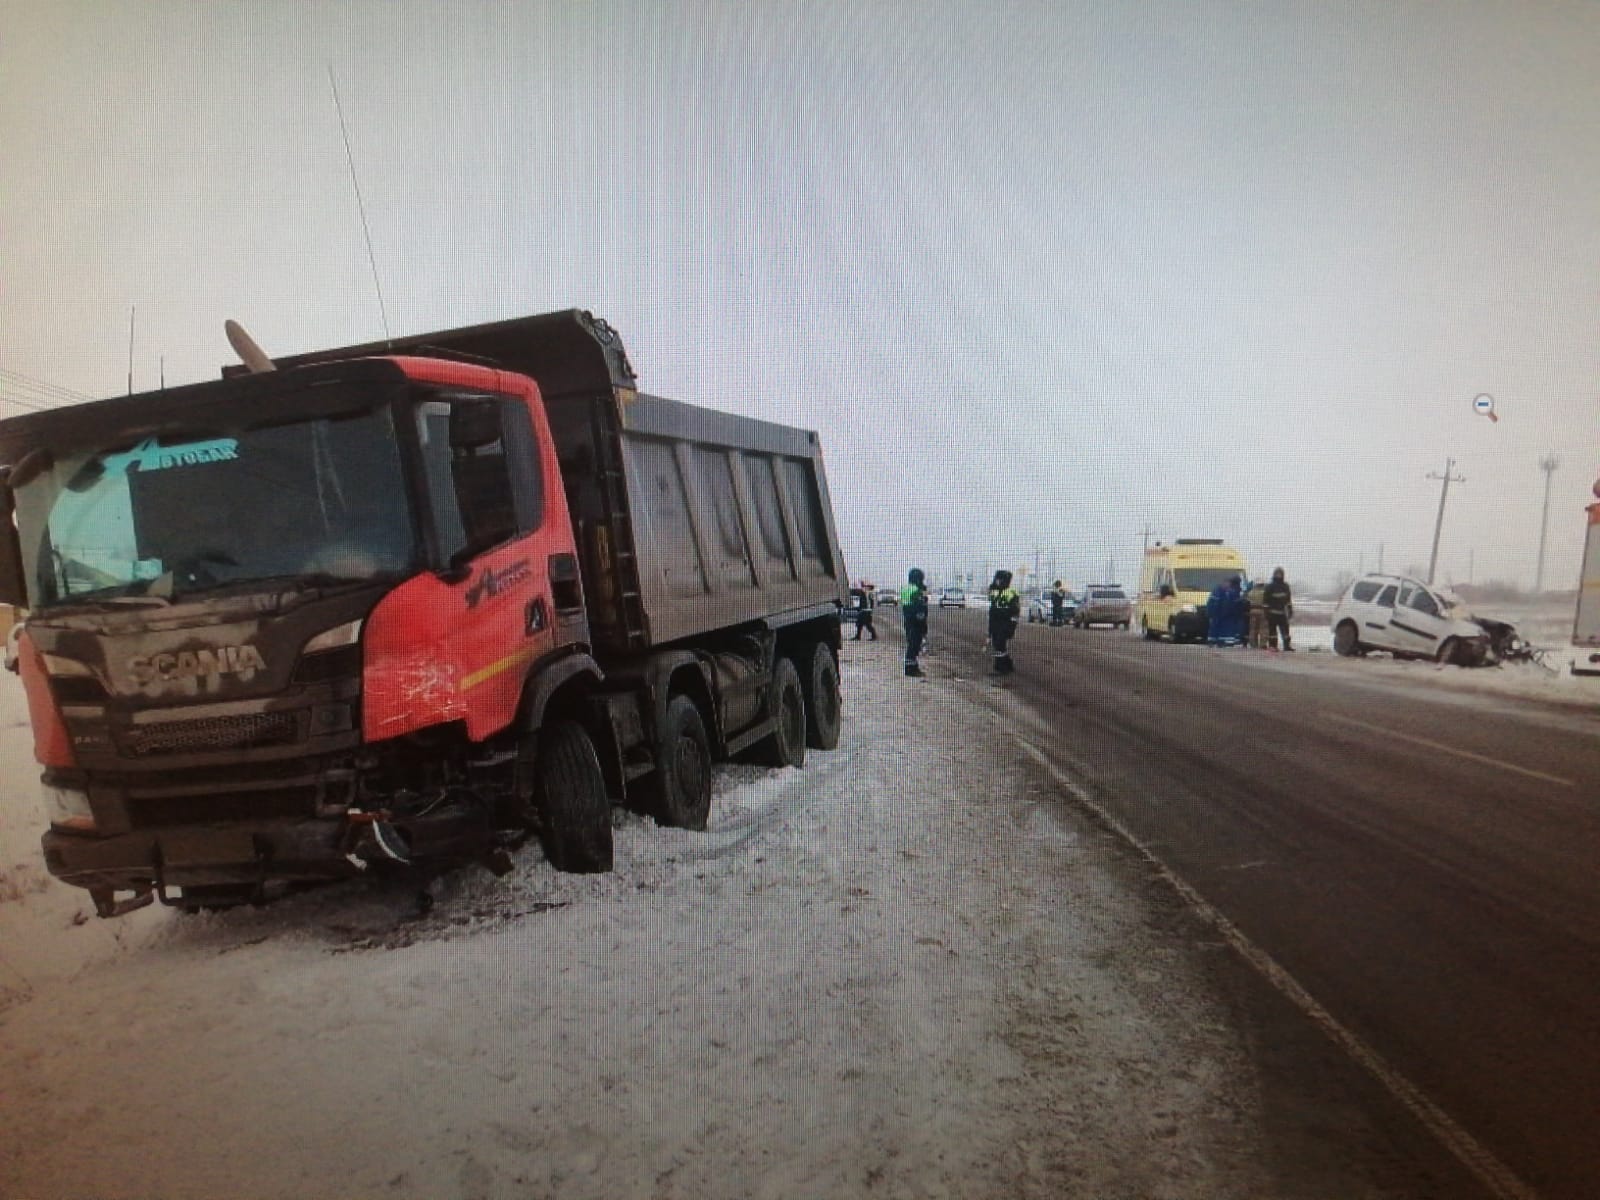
x,y
1433,745
1501,1181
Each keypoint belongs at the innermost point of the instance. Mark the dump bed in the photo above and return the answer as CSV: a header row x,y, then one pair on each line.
x,y
689,520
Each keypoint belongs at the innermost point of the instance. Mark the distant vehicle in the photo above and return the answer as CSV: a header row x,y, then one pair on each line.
x,y
887,596
1408,619
1104,604
953,597
1175,583
1040,610
1586,619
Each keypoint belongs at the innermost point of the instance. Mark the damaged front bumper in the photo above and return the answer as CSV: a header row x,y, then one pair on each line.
x,y
172,863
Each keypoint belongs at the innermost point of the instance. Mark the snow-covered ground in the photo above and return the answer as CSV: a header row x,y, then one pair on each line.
x,y
903,970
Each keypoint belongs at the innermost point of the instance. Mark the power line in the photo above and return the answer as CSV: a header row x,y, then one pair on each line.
x,y
25,404
17,379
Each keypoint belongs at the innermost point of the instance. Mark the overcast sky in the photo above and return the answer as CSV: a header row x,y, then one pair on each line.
x,y
1042,275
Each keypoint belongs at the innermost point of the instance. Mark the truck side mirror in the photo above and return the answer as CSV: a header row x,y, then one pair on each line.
x,y
1166,591
13,585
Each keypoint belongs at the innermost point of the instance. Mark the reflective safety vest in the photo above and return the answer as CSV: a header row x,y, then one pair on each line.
x,y
1006,599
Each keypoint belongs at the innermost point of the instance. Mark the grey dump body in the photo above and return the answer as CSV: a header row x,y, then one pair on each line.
x,y
689,520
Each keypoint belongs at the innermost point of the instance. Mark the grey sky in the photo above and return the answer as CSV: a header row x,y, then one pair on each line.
x,y
1039,273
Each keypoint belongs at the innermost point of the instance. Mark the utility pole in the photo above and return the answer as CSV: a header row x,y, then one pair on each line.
x,y
1380,558
1438,525
1548,465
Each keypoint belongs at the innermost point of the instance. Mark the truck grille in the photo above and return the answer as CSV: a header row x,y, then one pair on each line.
x,y
158,812
242,732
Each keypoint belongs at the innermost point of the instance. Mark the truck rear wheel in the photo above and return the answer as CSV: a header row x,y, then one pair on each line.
x,y
570,797
823,700
786,745
680,789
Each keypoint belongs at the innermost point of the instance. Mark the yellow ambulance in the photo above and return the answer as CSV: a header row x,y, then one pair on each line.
x,y
1176,582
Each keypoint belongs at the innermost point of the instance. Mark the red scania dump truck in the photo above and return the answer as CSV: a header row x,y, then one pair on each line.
x,y
399,605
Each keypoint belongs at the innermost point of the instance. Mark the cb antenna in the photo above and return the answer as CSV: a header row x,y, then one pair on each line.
x,y
361,207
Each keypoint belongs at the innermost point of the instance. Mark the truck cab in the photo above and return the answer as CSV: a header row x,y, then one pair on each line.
x,y
237,589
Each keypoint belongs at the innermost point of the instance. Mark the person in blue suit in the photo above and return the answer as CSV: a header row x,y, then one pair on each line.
x,y
1225,611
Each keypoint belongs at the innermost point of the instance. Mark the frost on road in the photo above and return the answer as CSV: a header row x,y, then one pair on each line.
x,y
906,969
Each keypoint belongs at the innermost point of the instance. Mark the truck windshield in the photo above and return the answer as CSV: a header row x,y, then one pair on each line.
x,y
162,517
1204,579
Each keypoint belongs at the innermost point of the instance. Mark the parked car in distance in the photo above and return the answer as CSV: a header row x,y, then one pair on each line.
x,y
1039,607
1104,604
1408,619
885,595
953,597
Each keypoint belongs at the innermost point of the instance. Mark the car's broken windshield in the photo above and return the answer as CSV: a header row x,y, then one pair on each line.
x,y
170,516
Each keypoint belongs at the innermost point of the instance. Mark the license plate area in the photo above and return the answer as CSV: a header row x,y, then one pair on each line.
x,y
188,849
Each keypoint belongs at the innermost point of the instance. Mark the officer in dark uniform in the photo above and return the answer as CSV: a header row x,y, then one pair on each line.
x,y
1278,600
1005,608
1058,604
862,597
914,612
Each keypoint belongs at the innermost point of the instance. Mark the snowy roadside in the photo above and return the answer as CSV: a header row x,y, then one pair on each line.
x,y
903,970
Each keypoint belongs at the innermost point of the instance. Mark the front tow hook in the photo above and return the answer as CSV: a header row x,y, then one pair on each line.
x,y
372,839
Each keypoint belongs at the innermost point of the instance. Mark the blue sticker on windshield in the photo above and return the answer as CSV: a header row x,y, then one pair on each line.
x,y
149,455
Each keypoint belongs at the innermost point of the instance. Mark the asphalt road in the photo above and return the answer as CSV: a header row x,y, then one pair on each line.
x,y
1423,865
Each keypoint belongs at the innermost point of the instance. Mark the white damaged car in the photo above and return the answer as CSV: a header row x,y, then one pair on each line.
x,y
1409,619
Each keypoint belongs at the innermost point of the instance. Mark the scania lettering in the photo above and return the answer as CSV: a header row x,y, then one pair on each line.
x,y
397,606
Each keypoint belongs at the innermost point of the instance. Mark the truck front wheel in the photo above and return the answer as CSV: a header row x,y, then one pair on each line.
x,y
570,797
786,746
822,700
681,786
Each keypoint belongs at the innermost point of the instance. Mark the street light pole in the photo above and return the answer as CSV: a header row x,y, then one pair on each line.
x,y
1548,465
1438,525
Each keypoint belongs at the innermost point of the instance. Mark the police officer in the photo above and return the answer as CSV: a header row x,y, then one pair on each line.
x,y
862,596
914,612
1005,607
1278,600
1058,604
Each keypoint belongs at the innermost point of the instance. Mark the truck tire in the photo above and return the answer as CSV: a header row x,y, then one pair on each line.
x,y
823,700
570,797
680,788
786,745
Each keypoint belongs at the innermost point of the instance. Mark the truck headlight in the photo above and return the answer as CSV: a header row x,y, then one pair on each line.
x,y
336,638
67,807
60,667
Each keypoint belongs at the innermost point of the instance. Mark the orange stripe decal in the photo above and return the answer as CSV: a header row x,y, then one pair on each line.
x,y
497,668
